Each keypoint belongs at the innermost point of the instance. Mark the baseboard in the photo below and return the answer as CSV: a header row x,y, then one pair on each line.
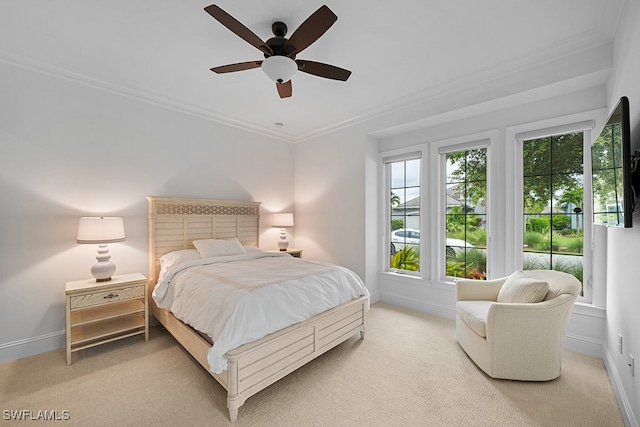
x,y
626,408
421,306
374,297
32,346
583,345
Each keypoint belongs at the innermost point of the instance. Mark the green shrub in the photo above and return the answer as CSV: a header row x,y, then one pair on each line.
x,y
575,245
532,239
533,263
561,222
396,224
538,225
549,242
455,269
407,258
477,237
471,263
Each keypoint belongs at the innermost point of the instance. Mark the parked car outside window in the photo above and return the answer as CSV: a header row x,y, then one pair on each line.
x,y
411,237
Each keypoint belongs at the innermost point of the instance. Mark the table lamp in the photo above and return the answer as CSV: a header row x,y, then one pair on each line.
x,y
282,220
101,231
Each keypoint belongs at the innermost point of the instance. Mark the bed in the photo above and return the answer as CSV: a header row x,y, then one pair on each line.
x,y
174,224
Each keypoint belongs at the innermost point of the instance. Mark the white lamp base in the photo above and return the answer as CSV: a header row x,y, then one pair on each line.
x,y
104,269
283,244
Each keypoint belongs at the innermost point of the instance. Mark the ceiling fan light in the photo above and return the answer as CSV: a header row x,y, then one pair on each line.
x,y
278,68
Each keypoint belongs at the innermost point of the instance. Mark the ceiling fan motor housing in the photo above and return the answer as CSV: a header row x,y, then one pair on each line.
x,y
279,29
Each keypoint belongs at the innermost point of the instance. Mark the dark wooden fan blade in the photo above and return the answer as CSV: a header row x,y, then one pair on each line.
x,y
310,30
323,70
238,28
284,89
230,68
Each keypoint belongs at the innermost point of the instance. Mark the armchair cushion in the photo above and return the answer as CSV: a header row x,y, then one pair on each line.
x,y
522,288
474,315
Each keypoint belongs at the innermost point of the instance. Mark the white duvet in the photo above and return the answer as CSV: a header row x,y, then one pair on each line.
x,y
241,298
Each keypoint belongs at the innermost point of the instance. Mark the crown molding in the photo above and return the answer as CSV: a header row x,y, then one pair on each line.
x,y
131,93
460,87
589,44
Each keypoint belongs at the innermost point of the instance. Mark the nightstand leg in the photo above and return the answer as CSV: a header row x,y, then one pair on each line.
x,y
68,334
146,313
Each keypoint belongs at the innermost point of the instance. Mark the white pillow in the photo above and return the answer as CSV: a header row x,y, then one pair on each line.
x,y
170,259
521,288
252,249
218,247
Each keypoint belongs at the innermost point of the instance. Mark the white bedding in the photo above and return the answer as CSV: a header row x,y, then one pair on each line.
x,y
241,298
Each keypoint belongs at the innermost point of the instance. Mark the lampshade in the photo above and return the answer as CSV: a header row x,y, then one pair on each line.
x,y
282,220
278,68
101,230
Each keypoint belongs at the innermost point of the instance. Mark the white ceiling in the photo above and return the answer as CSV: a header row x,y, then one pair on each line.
x,y
400,52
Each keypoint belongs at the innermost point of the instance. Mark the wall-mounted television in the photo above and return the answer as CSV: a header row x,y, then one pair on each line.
x,y
614,196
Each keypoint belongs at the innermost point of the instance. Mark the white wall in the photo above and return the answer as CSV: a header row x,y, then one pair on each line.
x,y
69,150
623,285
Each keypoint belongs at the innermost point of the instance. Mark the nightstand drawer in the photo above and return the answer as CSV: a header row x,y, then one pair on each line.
x,y
107,296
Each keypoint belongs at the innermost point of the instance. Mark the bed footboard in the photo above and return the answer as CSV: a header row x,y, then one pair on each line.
x,y
256,365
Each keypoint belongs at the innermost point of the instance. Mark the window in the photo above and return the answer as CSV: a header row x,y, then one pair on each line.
x,y
553,195
511,202
404,213
607,176
466,217
435,206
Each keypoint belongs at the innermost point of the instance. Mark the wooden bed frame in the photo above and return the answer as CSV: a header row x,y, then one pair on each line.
x,y
173,224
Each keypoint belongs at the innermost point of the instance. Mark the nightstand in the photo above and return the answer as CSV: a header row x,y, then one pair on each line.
x,y
101,312
296,253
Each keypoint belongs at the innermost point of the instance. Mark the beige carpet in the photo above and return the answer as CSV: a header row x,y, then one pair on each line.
x,y
409,371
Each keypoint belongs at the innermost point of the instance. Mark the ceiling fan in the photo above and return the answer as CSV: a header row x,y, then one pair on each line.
x,y
280,63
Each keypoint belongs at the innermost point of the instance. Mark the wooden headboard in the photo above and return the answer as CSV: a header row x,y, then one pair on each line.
x,y
174,223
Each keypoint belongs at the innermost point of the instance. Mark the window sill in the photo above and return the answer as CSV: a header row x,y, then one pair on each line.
x,y
414,279
399,276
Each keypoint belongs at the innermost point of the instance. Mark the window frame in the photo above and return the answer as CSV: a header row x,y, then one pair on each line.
x,y
465,214
385,159
433,215
442,148
515,137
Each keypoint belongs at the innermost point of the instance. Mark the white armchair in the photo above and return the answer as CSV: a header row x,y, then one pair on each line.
x,y
516,340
